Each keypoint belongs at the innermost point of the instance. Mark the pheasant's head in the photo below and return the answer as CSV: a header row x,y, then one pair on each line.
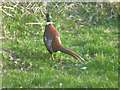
x,y
48,17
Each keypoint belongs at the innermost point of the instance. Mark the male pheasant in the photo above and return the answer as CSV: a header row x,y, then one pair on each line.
x,y
52,40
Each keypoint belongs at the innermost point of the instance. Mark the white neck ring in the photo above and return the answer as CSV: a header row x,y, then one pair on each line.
x,y
49,23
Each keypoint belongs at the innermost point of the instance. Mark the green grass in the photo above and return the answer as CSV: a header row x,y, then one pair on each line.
x,y
30,65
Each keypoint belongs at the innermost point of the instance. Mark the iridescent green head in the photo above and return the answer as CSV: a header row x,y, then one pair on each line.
x,y
48,17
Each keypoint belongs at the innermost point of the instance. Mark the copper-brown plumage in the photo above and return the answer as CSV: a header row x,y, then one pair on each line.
x,y
52,40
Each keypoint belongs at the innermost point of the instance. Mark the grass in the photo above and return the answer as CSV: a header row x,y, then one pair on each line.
x,y
27,63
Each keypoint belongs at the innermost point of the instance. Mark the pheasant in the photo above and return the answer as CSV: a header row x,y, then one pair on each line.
x,y
52,40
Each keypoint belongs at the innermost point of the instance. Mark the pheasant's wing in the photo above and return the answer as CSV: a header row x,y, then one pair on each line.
x,y
48,44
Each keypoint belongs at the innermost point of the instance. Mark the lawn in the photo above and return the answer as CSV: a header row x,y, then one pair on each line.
x,y
83,29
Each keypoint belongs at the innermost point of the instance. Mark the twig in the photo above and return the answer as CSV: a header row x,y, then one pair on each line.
x,y
35,23
8,7
9,51
90,18
111,16
7,13
1,38
41,9
29,66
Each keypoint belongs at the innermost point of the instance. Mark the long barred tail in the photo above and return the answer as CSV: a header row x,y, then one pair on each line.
x,y
67,51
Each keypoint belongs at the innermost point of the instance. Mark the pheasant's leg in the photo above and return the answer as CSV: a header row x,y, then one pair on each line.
x,y
53,57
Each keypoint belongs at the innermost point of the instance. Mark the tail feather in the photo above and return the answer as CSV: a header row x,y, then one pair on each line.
x,y
67,51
